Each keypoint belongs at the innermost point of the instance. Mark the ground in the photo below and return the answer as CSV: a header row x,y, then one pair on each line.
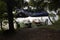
x,y
31,34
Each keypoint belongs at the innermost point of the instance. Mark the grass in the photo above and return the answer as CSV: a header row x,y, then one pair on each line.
x,y
56,25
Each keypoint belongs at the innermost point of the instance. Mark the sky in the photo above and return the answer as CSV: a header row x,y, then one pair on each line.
x,y
27,0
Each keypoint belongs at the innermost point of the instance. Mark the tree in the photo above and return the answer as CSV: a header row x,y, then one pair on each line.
x,y
36,3
10,6
20,3
32,3
55,4
2,10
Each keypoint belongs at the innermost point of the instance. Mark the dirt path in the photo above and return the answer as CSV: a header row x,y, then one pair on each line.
x,y
32,34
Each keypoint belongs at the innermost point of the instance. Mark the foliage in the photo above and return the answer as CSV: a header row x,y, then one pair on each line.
x,y
36,3
54,4
2,7
19,3
32,3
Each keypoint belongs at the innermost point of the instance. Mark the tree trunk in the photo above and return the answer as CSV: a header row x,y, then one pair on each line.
x,y
10,6
10,20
